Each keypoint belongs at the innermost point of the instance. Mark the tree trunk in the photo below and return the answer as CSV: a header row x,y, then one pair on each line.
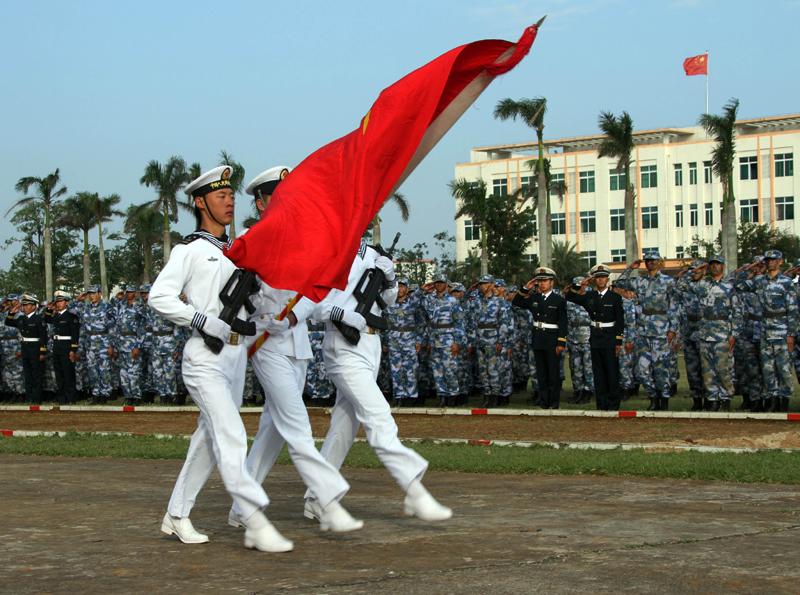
x,y
729,239
376,230
148,263
232,229
48,256
165,236
101,250
484,253
87,280
543,210
631,223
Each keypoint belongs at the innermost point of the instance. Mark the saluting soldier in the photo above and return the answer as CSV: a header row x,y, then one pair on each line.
x,y
607,324
549,333
578,348
97,344
466,359
493,328
692,314
520,364
746,358
13,377
33,334
131,335
404,342
66,334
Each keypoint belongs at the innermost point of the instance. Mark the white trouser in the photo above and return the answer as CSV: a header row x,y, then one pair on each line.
x,y
215,383
354,370
285,419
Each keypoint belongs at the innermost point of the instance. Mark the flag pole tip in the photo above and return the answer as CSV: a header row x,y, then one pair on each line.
x,y
540,21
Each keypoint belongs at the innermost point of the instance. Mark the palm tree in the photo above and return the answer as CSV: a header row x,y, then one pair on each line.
x,y
723,129
401,203
619,145
532,112
472,202
45,195
144,224
167,179
237,180
566,262
79,216
103,210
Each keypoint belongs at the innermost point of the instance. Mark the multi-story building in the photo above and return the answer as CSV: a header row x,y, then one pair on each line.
x,y
678,198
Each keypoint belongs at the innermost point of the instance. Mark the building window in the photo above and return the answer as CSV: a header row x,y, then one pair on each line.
x,y
707,172
649,176
709,210
618,255
649,217
588,222
528,258
692,173
556,179
678,215
500,187
784,165
535,226
587,181
617,180
617,219
525,185
589,258
558,223
693,215
748,210
678,251
678,167
472,231
784,208
748,168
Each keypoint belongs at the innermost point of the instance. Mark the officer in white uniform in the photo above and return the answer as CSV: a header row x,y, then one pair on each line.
x,y
280,364
198,268
354,371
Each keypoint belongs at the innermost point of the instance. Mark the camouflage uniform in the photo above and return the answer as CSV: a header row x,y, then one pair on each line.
x,y
627,379
580,352
692,314
13,380
162,354
402,339
317,384
446,325
520,364
97,328
660,314
747,361
130,334
493,325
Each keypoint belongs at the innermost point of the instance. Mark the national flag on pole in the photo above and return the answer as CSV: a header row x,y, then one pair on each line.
x,y
696,65
311,230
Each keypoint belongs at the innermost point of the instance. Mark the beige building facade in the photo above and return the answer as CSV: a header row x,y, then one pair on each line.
x,y
678,197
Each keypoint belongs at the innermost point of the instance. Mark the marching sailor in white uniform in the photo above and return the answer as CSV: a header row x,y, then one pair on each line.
x,y
280,364
198,268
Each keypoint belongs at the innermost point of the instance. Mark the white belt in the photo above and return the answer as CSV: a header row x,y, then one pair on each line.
x,y
62,337
30,339
544,325
602,324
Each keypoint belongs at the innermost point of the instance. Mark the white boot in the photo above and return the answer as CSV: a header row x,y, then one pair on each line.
x,y
262,536
335,518
421,504
183,529
234,520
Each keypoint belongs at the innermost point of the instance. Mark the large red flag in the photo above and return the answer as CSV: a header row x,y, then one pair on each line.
x,y
311,230
696,65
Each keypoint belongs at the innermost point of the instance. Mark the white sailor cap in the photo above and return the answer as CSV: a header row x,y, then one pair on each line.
x,y
214,179
264,183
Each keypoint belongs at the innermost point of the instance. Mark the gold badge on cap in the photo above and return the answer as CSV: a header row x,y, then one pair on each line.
x,y
226,174
284,173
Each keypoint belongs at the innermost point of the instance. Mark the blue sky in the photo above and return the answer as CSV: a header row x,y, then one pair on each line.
x,y
99,88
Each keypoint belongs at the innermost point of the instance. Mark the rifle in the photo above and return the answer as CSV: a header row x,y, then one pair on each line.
x,y
368,293
236,293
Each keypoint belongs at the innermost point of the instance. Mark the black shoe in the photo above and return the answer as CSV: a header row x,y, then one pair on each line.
x,y
697,404
442,401
653,404
664,404
714,406
673,389
726,405
784,404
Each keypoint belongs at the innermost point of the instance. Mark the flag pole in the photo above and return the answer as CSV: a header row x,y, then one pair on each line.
x,y
706,82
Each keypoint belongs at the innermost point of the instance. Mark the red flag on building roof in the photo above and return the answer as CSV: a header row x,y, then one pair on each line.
x,y
696,65
311,230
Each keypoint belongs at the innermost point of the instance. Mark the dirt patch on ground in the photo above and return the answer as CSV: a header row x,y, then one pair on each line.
x,y
712,432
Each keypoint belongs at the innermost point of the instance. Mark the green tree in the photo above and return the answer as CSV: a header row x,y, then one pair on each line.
x,y
46,192
472,202
754,239
237,180
567,262
509,228
532,112
167,180
78,215
722,129
103,210
144,225
402,204
618,145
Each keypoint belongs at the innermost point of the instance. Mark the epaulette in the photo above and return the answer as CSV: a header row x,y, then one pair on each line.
x,y
362,249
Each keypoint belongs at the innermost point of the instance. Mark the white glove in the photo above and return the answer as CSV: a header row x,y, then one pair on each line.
x,y
277,327
386,265
355,320
217,328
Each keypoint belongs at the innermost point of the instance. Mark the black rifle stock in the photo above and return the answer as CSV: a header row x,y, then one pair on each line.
x,y
236,293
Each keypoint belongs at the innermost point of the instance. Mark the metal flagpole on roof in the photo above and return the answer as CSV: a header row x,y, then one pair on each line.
x,y
706,82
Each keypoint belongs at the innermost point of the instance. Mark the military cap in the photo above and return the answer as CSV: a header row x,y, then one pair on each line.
x,y
697,263
576,281
773,255
440,278
61,295
130,288
265,183
543,273
513,289
29,298
758,259
144,288
13,296
486,279
600,270
93,289
717,258
652,255
413,287
402,281
214,179
500,282
457,287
